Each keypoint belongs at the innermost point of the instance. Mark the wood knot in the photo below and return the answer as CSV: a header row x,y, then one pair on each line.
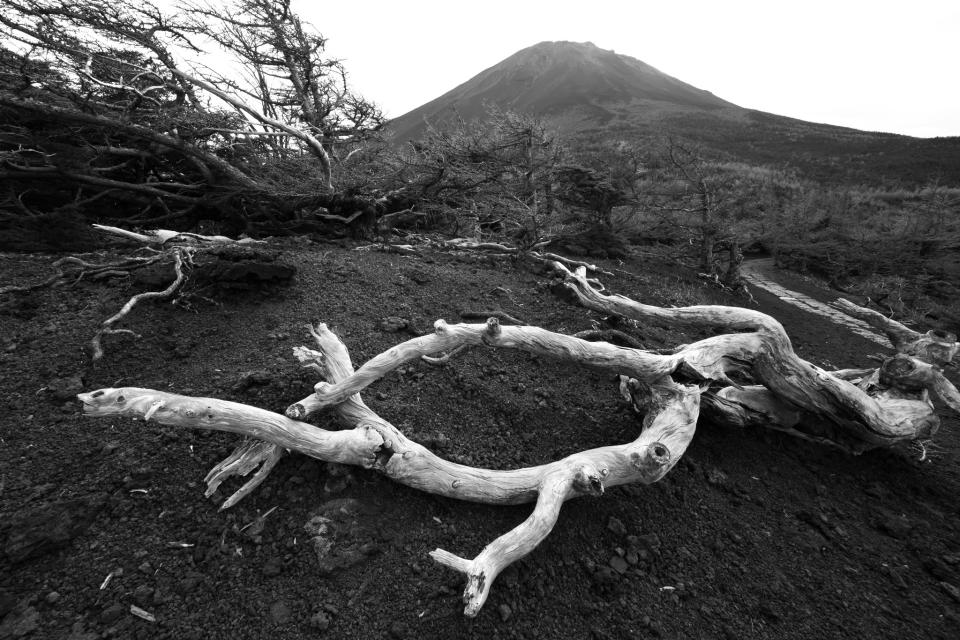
x,y
493,327
440,327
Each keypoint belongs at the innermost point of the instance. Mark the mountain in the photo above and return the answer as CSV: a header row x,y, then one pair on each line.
x,y
592,93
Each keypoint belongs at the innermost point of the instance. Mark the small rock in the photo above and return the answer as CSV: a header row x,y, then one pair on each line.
x,y
320,621
280,612
616,526
393,324
619,564
111,614
110,447
398,630
53,597
716,477
251,378
65,388
505,612
146,567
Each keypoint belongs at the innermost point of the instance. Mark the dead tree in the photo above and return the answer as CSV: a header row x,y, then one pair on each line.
x,y
855,410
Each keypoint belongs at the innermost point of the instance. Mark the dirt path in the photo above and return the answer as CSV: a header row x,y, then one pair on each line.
x,y
757,273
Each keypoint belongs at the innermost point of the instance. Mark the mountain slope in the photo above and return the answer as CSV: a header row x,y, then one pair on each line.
x,y
553,78
593,94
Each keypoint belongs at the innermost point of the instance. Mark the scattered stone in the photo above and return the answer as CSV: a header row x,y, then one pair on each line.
x,y
252,378
505,612
616,526
340,540
420,277
62,389
280,612
716,477
239,267
109,447
619,564
190,583
52,598
320,621
393,324
399,630
111,614
47,528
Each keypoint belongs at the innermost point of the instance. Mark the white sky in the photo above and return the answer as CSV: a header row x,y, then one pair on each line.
x,y
882,65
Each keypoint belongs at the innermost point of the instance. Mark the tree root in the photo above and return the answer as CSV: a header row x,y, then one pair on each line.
x,y
176,247
181,257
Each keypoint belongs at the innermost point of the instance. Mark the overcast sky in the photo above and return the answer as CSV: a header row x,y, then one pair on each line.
x,y
879,65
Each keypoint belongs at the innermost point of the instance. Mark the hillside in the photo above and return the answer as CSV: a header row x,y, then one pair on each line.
x,y
590,93
753,535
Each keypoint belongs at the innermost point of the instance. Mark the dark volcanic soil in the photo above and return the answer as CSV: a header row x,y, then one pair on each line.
x,y
752,535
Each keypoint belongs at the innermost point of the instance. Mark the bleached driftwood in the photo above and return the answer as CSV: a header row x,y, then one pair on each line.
x,y
853,409
373,442
888,405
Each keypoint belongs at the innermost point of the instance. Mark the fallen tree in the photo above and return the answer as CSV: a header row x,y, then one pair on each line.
x,y
749,375
178,253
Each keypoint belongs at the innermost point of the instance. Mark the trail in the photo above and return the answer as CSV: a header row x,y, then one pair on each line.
x,y
756,272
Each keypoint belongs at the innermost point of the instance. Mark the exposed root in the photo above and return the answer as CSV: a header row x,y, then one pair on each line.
x,y
181,257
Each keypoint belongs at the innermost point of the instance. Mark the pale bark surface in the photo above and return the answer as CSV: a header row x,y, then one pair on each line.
x,y
747,377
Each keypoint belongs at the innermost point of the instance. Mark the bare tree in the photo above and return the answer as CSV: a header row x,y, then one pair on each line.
x,y
101,106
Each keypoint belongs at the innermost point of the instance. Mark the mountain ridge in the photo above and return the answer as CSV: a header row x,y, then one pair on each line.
x,y
589,92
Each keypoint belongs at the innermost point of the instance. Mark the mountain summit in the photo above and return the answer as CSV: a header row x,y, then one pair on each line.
x,y
554,78
590,93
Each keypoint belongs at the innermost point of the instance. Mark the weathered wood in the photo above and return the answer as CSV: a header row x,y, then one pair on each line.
x,y
375,443
855,409
879,411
